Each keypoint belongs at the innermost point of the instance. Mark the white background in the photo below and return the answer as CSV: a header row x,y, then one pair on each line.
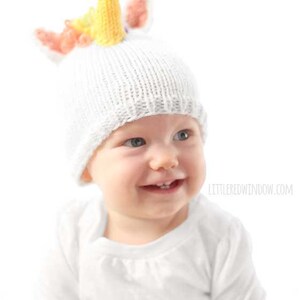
x,y
245,55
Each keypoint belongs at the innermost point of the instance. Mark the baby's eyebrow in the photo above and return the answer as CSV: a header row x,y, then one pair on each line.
x,y
132,129
121,133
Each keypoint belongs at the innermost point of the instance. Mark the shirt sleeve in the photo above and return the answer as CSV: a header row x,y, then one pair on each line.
x,y
58,275
234,275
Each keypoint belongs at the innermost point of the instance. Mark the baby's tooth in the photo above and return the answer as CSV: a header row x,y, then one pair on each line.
x,y
165,183
164,187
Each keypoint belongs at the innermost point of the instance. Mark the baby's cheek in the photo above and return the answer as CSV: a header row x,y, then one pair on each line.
x,y
196,167
127,171
201,165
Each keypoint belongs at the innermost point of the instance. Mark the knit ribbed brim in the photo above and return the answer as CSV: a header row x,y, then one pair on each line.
x,y
103,88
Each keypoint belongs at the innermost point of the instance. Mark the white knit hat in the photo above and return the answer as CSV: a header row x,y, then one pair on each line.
x,y
103,88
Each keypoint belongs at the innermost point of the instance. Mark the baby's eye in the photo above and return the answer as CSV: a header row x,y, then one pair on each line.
x,y
182,135
135,142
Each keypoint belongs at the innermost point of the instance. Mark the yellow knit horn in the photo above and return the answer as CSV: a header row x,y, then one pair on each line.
x,y
108,24
103,24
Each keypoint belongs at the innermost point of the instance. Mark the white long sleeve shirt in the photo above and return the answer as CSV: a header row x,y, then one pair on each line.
x,y
206,257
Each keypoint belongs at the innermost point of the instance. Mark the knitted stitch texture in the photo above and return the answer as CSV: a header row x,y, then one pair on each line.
x,y
105,87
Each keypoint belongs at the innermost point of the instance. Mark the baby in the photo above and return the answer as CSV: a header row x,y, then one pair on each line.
x,y
136,128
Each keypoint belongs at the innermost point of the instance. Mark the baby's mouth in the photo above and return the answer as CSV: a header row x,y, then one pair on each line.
x,y
166,186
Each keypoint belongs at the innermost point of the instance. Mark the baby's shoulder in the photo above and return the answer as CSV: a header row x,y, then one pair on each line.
x,y
214,222
216,228
78,208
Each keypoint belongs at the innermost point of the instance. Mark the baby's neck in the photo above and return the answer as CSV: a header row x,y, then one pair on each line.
x,y
140,231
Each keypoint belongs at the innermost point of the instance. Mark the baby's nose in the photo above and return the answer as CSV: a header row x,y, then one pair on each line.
x,y
164,157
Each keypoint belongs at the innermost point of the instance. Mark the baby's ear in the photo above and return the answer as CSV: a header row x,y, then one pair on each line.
x,y
86,177
138,14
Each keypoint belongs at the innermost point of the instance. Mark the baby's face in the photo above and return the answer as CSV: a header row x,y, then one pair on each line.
x,y
132,165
